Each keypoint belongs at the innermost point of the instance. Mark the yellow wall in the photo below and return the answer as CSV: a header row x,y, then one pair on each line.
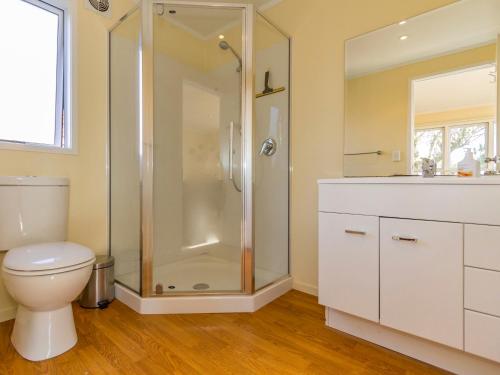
x,y
179,44
86,170
377,111
318,32
461,115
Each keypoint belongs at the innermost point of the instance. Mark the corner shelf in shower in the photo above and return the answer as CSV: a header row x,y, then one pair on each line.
x,y
274,91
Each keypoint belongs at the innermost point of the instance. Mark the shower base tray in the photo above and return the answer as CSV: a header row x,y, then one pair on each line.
x,y
203,303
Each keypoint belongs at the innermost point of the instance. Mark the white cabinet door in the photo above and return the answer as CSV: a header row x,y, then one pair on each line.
x,y
482,246
349,264
482,291
421,279
482,335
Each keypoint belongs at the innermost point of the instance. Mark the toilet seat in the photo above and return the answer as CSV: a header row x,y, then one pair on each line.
x,y
47,272
47,259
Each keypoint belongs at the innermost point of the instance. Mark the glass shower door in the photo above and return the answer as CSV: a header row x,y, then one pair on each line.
x,y
271,197
198,138
124,151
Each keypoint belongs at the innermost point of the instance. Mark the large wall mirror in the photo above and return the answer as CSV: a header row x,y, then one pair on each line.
x,y
425,87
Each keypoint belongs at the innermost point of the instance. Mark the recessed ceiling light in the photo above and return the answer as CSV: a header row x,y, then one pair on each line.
x,y
221,36
402,22
403,37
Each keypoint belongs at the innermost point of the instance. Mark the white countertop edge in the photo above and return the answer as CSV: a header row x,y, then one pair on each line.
x,y
438,180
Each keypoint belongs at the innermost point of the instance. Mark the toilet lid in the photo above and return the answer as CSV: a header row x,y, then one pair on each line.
x,y
47,256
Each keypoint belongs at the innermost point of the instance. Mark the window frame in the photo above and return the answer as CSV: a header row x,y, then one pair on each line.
x,y
65,128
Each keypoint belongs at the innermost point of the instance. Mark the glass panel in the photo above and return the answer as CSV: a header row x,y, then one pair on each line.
x,y
124,141
28,73
468,136
428,143
197,97
271,168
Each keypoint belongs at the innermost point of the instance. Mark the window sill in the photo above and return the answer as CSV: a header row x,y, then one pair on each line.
x,y
34,147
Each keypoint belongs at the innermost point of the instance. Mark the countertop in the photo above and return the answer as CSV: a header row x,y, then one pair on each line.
x,y
438,180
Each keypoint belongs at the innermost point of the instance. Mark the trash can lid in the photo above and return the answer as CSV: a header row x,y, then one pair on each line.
x,y
103,261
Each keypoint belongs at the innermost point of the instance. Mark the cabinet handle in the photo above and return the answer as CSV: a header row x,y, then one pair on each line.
x,y
350,231
408,239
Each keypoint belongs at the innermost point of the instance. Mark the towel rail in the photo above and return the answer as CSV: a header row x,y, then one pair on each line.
x,y
365,153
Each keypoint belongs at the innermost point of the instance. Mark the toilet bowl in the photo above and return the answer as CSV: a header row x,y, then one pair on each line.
x,y
44,279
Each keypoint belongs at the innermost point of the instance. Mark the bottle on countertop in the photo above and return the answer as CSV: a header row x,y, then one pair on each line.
x,y
468,167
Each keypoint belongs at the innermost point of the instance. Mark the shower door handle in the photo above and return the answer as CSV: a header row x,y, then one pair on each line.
x,y
231,134
231,156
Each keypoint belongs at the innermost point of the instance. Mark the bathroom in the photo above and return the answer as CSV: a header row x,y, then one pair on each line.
x,y
199,175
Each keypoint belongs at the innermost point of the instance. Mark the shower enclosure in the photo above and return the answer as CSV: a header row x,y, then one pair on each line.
x,y
198,150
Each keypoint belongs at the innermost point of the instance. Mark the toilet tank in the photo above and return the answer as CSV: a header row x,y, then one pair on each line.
x,y
32,210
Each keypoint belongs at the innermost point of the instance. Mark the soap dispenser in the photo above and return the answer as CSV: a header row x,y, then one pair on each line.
x,y
468,167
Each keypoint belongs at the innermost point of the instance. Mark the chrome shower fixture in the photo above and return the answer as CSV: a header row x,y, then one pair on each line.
x,y
226,46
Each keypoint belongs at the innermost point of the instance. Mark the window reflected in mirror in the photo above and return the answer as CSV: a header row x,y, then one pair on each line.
x,y
453,112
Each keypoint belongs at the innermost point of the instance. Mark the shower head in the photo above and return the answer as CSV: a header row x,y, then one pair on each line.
x,y
226,46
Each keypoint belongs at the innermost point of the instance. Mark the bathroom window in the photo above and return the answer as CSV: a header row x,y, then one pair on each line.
x,y
428,144
447,144
34,90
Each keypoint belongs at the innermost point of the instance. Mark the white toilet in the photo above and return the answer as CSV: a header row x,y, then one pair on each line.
x,y
41,272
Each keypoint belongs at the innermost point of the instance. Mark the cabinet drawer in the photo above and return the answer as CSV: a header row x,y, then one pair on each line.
x,y
349,264
482,290
421,279
482,335
482,246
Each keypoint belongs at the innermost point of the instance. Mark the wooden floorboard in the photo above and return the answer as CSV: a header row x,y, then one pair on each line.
x,y
287,336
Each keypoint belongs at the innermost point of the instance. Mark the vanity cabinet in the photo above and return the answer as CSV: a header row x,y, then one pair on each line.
x,y
413,264
482,335
482,246
482,290
421,267
349,264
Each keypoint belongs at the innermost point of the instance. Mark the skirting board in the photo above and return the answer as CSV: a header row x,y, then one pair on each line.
x,y
305,287
8,313
203,304
435,354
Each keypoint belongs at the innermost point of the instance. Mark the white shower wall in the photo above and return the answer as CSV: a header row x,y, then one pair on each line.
x,y
190,205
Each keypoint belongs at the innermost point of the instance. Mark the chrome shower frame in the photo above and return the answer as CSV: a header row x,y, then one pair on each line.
x,y
146,157
147,129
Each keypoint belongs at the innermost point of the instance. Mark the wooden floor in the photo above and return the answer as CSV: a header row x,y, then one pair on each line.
x,y
286,337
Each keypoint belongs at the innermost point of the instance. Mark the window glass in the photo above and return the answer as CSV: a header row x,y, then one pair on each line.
x,y
30,93
428,143
467,136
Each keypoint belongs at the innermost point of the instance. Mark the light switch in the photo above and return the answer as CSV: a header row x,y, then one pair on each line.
x,y
396,155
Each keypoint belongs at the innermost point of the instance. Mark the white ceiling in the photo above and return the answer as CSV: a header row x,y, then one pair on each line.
x,y
458,26
205,23
470,88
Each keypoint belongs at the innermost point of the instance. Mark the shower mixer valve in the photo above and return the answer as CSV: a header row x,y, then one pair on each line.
x,y
268,147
